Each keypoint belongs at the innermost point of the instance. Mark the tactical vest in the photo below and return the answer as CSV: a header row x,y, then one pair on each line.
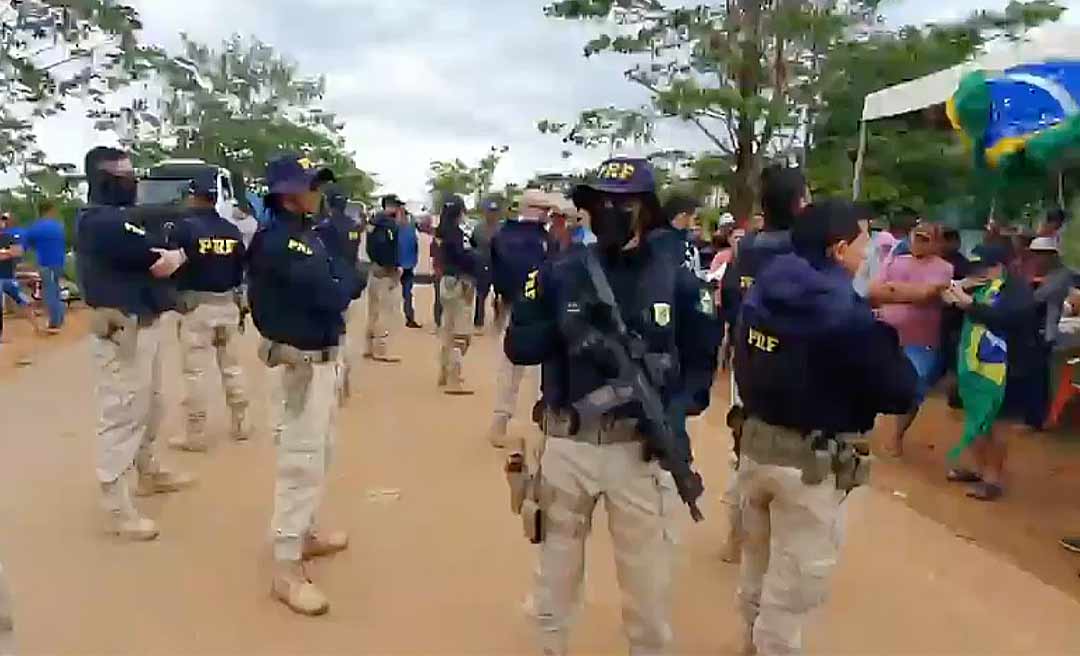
x,y
105,286
645,292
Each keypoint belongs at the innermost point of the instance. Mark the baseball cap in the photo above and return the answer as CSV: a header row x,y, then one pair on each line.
x,y
204,184
491,205
622,175
1044,245
453,201
391,199
987,255
292,174
727,219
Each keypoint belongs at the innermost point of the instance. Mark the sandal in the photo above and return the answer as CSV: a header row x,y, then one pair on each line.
x,y
962,476
986,492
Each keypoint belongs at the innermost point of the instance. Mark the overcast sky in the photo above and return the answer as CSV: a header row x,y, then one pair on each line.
x,y
420,80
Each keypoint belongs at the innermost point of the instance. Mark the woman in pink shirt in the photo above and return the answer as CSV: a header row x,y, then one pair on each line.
x,y
909,290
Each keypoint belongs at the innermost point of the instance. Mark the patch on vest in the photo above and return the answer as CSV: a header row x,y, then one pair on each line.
x,y
706,303
661,314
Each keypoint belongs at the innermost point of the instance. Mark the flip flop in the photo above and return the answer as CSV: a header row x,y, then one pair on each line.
x,y
962,476
986,492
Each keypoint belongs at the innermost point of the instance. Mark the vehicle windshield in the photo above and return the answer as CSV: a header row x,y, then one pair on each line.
x,y
162,192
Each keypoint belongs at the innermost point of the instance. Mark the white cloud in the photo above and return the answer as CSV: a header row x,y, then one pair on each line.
x,y
420,80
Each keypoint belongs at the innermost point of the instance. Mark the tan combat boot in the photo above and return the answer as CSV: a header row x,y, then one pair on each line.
x,y
123,519
381,353
497,436
292,587
194,439
319,544
240,427
162,482
455,385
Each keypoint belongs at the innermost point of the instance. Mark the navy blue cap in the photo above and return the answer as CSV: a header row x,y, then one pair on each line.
x,y
623,175
204,184
292,174
491,205
987,255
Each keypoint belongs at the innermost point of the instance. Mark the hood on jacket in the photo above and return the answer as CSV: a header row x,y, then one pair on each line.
x,y
794,297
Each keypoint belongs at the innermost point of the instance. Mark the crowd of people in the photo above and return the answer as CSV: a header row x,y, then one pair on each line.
x,y
624,314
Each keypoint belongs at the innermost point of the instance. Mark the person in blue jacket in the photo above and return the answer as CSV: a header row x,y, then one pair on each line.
x,y
299,293
408,258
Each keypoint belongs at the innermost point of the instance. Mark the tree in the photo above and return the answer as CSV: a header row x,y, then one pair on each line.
x,y
53,49
237,106
912,161
743,72
455,177
607,127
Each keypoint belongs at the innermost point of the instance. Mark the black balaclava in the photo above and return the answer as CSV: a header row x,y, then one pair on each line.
x,y
106,187
611,221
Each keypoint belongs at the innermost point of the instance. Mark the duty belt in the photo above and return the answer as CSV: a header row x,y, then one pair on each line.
x,y
609,430
815,453
276,353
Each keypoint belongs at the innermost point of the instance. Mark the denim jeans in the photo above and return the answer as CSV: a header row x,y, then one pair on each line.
x,y
408,279
50,290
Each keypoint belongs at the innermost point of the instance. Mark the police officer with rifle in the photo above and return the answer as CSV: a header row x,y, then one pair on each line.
x,y
627,340
814,368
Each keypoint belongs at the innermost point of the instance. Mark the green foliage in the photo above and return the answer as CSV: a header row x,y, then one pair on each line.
x,y
238,106
909,164
446,178
46,47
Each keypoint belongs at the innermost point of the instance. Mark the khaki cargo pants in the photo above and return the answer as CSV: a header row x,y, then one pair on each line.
x,y
128,364
346,358
459,304
508,384
383,297
791,541
304,450
210,333
640,500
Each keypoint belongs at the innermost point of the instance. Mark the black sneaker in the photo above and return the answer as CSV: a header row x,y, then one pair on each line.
x,y
1072,544
412,324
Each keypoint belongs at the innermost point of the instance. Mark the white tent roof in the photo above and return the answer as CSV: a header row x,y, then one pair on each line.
x,y
1040,44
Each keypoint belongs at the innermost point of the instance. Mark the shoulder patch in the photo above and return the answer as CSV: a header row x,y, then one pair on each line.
x,y
661,314
706,304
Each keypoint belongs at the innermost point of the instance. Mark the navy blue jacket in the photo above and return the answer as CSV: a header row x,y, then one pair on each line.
x,y
809,354
215,251
341,233
663,304
114,259
382,241
676,245
517,248
297,290
457,260
755,252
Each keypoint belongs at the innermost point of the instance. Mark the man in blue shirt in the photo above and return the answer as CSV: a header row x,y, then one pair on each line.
x,y
47,239
408,257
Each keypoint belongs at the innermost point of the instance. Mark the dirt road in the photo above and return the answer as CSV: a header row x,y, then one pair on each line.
x,y
437,564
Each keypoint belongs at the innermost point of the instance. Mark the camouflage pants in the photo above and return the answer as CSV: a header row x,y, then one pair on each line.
x,y
458,300
304,451
791,541
7,621
640,500
129,397
209,333
383,295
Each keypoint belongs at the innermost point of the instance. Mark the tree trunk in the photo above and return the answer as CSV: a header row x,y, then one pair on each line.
x,y
744,192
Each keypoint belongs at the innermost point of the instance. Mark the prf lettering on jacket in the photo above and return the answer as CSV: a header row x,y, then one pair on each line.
x,y
209,246
300,247
763,342
746,282
530,285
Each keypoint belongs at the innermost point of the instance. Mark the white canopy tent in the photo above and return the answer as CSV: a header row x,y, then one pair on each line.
x,y
1040,44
